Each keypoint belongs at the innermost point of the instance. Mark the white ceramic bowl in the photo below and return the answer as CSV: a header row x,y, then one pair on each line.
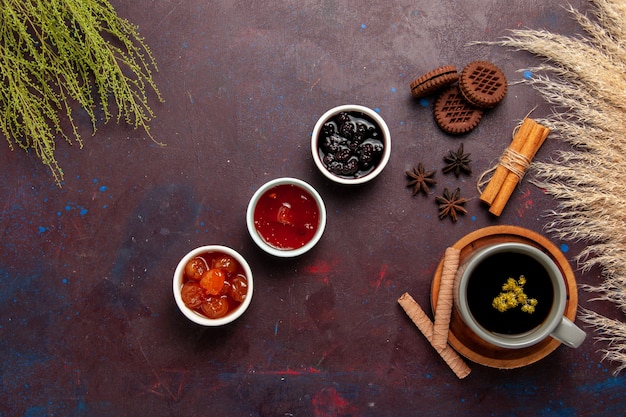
x,y
261,242
178,283
385,138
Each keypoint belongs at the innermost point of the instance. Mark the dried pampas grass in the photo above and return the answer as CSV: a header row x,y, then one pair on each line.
x,y
584,77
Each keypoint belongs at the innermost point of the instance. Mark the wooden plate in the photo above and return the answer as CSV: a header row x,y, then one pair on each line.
x,y
466,342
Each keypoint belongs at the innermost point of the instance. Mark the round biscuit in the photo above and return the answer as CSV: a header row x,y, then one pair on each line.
x,y
453,114
434,80
483,84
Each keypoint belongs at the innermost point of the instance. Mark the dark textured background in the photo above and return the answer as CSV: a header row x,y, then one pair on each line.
x,y
88,324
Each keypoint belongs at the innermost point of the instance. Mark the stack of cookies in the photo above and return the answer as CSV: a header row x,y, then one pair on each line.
x,y
464,96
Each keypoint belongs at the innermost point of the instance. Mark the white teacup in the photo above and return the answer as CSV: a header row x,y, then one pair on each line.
x,y
479,281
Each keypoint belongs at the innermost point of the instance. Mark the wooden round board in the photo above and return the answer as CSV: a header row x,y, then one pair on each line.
x,y
463,340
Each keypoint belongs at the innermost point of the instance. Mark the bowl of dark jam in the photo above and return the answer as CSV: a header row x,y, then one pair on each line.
x,y
351,144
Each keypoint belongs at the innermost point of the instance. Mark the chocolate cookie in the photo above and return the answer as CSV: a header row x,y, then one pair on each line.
x,y
482,84
434,80
454,114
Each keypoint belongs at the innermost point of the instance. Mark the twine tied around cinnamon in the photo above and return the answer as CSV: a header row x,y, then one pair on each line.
x,y
515,161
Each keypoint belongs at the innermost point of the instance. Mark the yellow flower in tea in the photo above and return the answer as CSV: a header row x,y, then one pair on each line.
x,y
513,295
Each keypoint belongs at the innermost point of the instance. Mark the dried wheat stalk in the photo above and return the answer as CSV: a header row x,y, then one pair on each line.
x,y
584,77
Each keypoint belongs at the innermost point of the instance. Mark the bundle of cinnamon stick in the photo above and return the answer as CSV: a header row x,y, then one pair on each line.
x,y
513,164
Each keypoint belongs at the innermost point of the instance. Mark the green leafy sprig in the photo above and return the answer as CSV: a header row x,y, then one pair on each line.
x,y
55,55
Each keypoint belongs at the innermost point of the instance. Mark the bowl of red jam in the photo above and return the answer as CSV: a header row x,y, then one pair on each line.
x,y
351,144
213,285
286,217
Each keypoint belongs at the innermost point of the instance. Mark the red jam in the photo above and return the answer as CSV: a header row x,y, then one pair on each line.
x,y
214,284
286,217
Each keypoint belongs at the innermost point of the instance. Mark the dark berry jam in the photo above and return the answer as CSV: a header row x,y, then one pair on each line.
x,y
350,144
286,217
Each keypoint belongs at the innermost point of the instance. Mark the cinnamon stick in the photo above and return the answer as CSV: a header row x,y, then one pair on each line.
x,y
495,183
445,299
531,145
423,323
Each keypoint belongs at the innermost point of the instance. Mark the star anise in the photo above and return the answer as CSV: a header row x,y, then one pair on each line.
x,y
450,204
420,180
457,162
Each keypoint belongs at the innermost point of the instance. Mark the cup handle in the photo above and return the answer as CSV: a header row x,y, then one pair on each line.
x,y
568,333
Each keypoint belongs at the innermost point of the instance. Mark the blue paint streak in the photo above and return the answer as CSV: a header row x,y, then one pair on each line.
x,y
36,411
557,412
614,383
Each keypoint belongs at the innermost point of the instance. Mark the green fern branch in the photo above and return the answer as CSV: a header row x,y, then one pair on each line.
x,y
55,55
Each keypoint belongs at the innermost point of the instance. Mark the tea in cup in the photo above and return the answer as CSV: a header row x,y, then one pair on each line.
x,y
513,295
